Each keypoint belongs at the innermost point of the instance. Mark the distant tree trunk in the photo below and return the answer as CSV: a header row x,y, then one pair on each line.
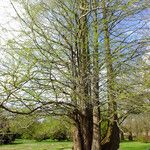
x,y
130,137
121,135
147,135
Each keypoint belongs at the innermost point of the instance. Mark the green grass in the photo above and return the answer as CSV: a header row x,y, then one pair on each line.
x,y
50,145
134,146
33,145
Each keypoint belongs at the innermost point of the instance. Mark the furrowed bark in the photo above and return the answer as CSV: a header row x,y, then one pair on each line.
x,y
112,139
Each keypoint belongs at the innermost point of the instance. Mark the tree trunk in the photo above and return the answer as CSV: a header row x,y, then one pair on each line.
x,y
82,137
96,143
130,137
77,142
112,138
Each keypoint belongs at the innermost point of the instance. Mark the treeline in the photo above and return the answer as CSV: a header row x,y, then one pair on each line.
x,y
134,127
33,127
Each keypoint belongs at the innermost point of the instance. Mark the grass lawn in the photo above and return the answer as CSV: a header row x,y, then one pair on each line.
x,y
50,145
134,146
33,145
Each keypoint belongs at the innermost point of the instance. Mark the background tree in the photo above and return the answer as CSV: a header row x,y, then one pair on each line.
x,y
138,125
41,127
6,136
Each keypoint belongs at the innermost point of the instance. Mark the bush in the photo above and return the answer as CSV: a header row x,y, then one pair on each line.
x,y
7,138
54,131
60,135
40,129
144,139
40,137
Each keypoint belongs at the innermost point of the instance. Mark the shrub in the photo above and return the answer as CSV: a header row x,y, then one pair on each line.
x,y
7,138
60,135
144,139
40,129
40,137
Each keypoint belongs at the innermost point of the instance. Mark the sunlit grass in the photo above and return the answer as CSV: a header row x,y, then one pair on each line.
x,y
134,146
51,145
33,145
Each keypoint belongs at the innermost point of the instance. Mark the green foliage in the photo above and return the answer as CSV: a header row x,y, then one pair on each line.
x,y
23,125
60,133
41,128
6,136
104,127
59,129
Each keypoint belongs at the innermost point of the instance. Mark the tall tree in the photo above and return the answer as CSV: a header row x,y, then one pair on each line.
x,y
67,61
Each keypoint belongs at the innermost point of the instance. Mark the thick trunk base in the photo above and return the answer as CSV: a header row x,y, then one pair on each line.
x,y
114,139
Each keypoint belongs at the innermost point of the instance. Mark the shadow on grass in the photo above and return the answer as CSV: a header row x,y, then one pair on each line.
x,y
14,143
64,148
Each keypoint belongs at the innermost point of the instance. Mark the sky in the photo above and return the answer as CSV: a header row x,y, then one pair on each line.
x,y
8,24
8,21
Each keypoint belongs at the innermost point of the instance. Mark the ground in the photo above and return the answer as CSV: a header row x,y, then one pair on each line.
x,y
51,145
134,146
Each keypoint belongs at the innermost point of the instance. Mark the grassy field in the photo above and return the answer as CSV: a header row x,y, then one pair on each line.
x,y
49,145
134,146
33,145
